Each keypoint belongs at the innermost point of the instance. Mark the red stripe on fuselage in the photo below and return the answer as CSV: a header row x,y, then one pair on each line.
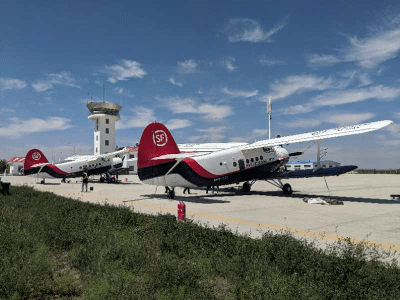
x,y
195,166
58,170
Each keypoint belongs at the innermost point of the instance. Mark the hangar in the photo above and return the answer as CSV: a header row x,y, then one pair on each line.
x,y
310,164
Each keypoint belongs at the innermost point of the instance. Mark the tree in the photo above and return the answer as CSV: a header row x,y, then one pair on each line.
x,y
3,165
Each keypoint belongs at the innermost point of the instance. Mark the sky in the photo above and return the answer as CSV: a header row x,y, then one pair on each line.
x,y
205,69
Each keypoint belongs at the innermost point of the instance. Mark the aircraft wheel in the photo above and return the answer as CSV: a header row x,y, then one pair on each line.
x,y
246,187
287,189
112,180
102,179
171,194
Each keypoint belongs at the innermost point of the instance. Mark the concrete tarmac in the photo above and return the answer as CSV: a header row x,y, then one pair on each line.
x,y
368,212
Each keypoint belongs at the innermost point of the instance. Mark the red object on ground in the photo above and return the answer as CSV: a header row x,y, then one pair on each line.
x,y
181,210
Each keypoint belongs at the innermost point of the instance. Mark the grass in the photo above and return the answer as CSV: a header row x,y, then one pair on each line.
x,y
54,247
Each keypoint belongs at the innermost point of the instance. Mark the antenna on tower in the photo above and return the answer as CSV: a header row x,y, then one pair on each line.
x,y
104,92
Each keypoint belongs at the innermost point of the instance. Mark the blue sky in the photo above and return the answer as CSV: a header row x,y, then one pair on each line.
x,y
203,68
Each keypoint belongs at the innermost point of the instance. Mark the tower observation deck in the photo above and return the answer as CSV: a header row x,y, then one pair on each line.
x,y
104,115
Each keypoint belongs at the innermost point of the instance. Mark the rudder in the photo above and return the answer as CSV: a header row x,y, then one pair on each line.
x,y
156,140
33,157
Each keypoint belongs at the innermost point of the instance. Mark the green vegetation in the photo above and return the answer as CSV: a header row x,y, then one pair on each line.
x,y
54,247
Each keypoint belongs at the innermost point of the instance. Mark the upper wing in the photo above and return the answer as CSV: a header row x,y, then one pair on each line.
x,y
320,135
208,147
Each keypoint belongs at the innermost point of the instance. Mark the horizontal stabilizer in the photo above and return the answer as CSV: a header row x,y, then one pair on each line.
x,y
320,135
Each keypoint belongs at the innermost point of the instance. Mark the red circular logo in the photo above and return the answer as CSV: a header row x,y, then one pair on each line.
x,y
160,138
36,156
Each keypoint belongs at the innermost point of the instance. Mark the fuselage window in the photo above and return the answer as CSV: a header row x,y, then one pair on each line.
x,y
220,163
261,157
252,159
247,161
257,158
234,163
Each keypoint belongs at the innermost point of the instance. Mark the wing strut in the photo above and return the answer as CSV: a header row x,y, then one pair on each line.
x,y
319,154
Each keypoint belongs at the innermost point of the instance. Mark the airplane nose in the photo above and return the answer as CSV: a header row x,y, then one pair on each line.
x,y
117,161
282,153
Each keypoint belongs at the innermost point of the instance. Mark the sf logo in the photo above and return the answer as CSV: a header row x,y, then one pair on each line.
x,y
160,138
36,156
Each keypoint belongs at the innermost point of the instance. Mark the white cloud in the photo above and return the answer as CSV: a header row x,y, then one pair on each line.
x,y
348,119
238,93
247,30
269,62
214,112
174,82
228,63
368,52
335,98
209,112
63,78
188,66
337,119
127,70
397,115
42,86
11,84
178,124
394,129
6,110
124,92
323,60
18,127
297,109
210,135
141,118
302,123
297,84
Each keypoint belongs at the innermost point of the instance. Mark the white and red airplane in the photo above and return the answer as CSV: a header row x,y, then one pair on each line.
x,y
36,164
161,163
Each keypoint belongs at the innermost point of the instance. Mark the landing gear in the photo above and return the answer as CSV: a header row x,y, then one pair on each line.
x,y
107,178
170,192
287,189
246,187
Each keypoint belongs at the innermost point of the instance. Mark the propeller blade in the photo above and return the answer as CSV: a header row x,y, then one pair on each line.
x,y
296,153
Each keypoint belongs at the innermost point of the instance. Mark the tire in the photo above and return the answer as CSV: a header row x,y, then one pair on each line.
x,y
287,189
246,187
102,179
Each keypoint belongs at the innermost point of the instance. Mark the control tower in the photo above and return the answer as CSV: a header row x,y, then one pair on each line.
x,y
104,115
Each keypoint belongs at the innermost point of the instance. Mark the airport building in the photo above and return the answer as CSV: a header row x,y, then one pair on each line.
x,y
310,164
16,165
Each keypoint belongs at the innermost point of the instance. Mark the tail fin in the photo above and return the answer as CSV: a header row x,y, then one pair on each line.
x,y
33,157
156,140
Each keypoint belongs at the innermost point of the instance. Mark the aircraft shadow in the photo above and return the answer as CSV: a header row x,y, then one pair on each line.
x,y
193,198
340,198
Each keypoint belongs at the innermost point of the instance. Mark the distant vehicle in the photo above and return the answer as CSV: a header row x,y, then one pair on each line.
x,y
37,165
160,161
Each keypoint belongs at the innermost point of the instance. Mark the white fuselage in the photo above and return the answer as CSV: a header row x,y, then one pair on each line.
x,y
222,164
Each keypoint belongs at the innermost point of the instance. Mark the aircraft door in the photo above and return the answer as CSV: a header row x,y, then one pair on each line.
x,y
241,164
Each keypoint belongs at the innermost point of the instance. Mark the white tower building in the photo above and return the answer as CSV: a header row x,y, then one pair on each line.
x,y
104,115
